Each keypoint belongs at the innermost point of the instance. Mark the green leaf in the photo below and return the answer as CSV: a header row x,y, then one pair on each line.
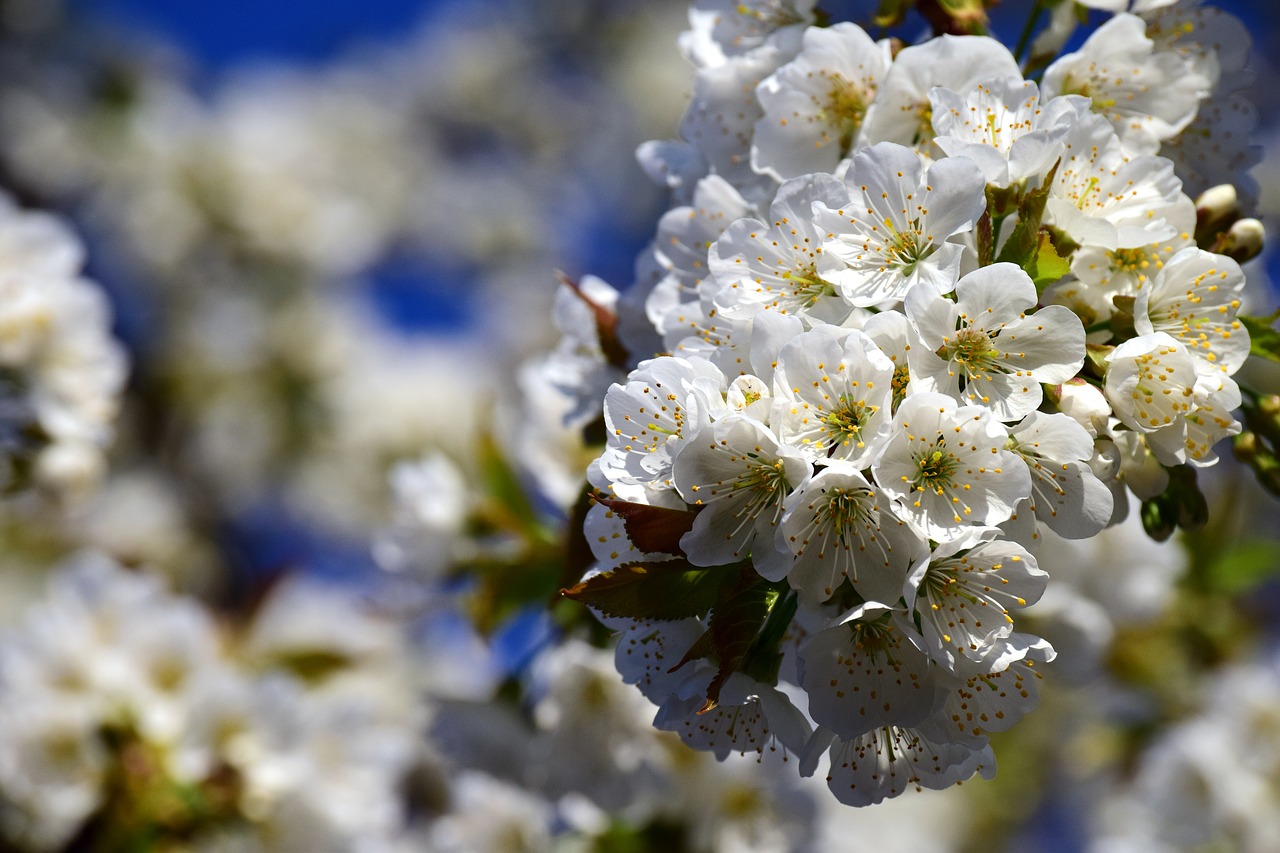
x,y
1046,266
735,623
1264,339
1245,565
653,529
663,590
502,485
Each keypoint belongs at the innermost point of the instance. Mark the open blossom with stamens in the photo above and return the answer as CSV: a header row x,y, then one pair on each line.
x,y
749,717
724,28
1195,298
1148,95
833,396
739,474
893,231
1002,126
1192,439
780,266
1123,272
1150,381
839,526
996,701
1104,196
867,671
986,348
814,105
902,110
948,467
1158,388
963,595
891,760
1066,495
664,402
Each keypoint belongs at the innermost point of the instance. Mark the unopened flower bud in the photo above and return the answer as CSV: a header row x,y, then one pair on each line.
x,y
1216,208
1243,240
1159,518
1105,462
1085,404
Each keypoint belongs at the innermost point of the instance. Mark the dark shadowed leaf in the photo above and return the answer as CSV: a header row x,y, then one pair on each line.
x,y
652,529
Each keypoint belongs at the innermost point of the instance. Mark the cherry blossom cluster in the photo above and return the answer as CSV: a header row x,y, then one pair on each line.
x,y
910,307
61,372
129,716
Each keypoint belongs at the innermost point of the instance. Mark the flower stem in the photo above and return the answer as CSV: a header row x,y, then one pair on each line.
x,y
1024,40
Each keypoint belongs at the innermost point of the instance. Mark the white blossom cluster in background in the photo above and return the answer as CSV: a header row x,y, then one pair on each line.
x,y
61,371
936,337
249,214
911,309
127,707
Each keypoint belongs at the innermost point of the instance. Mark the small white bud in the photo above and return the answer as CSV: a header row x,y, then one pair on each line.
x,y
1244,240
1085,404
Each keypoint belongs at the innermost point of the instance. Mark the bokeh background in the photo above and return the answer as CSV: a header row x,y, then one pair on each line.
x,y
330,231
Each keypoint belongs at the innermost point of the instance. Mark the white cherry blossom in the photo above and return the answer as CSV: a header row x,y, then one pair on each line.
x,y
1002,126
893,230
963,594
1104,196
948,467
1158,388
739,474
1150,381
985,348
724,28
1122,272
1195,298
1065,493
684,235
891,760
781,265
833,396
902,112
814,105
749,717
663,403
867,672
1148,95
997,701
838,526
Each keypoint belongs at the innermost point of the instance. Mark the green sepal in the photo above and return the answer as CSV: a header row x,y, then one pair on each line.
x,y
1023,243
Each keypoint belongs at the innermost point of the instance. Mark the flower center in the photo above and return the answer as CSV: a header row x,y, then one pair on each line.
x,y
971,349
844,510
1129,260
845,423
935,468
807,286
764,478
845,109
905,249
